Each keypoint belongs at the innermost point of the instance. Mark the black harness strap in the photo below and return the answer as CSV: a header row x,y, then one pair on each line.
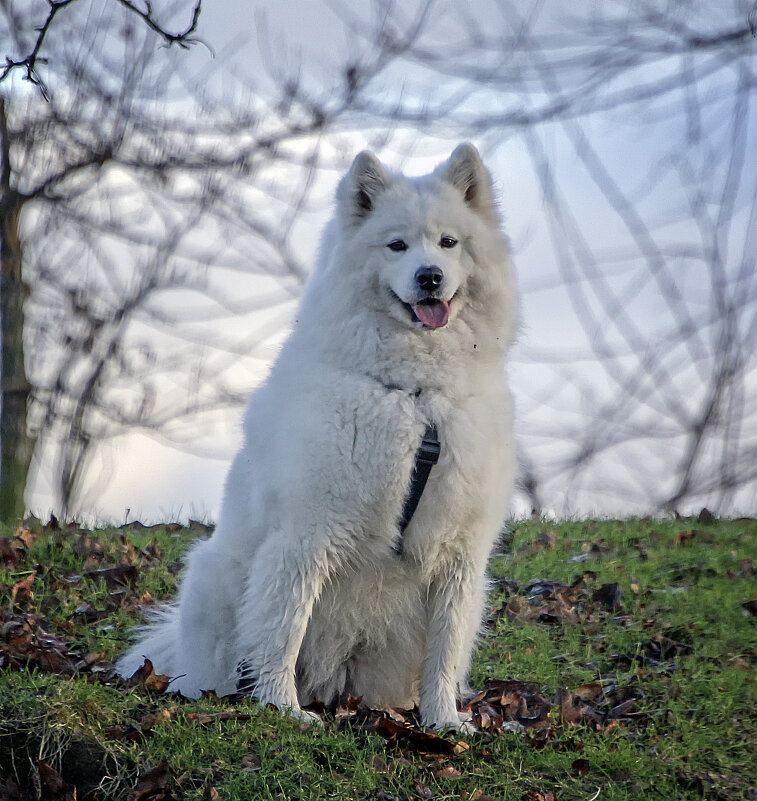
x,y
426,457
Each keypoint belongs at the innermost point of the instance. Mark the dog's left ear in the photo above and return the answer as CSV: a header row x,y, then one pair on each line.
x,y
465,171
359,189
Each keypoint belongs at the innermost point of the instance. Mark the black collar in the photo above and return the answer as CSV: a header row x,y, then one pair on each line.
x,y
426,457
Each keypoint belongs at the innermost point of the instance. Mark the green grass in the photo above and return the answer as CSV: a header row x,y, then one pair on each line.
x,y
681,643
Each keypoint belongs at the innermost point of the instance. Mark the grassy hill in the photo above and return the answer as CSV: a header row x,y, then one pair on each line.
x,y
617,663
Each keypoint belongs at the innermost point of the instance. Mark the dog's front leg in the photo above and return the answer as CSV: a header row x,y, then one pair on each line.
x,y
455,601
282,587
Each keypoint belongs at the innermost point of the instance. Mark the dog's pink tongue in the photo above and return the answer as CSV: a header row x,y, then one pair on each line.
x,y
434,315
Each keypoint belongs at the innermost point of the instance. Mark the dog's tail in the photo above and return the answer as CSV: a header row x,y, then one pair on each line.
x,y
157,641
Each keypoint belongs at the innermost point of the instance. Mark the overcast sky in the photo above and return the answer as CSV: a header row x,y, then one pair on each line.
x,y
261,42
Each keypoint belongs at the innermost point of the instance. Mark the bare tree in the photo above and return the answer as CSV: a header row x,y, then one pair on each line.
x,y
53,155
15,447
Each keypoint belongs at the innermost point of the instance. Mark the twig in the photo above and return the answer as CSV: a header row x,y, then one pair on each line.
x,y
30,62
183,39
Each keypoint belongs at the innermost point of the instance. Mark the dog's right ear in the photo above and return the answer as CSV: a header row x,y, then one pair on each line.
x,y
364,182
465,171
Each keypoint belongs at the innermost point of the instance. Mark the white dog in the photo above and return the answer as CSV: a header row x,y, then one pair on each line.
x,y
308,589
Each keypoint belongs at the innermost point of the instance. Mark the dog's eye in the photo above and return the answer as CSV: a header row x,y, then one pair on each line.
x,y
447,242
397,245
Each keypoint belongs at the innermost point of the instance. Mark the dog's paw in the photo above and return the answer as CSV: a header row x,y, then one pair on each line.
x,y
463,725
303,715
467,727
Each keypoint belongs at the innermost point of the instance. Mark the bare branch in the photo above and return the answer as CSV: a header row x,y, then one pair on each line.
x,y
183,39
28,64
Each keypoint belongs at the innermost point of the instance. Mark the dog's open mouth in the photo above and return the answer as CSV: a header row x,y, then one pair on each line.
x,y
433,313
429,312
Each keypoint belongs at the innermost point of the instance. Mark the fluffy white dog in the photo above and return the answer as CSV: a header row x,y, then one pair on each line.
x,y
308,589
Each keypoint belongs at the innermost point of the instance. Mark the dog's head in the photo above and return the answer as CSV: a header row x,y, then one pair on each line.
x,y
416,239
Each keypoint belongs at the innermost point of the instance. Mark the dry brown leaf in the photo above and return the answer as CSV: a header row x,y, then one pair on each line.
x,y
152,786
580,766
569,711
414,739
684,537
477,795
52,786
18,635
251,763
115,577
588,692
22,589
447,772
608,595
25,535
147,677
127,733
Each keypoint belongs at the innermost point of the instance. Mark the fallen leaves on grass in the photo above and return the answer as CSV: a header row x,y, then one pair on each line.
x,y
580,766
714,785
51,787
660,652
504,705
692,534
509,704
557,603
545,540
605,711
447,772
152,786
124,575
26,643
132,732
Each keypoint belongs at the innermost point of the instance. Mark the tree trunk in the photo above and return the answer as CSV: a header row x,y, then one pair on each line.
x,y
16,446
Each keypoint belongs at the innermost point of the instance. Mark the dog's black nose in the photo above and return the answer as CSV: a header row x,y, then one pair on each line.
x,y
429,278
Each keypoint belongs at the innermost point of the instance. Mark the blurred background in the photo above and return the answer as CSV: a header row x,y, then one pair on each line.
x,y
166,169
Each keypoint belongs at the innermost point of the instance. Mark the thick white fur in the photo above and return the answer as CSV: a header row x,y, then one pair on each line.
x,y
300,581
